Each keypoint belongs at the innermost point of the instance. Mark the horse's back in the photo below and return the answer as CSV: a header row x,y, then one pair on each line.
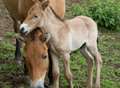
x,y
83,25
90,23
92,29
83,30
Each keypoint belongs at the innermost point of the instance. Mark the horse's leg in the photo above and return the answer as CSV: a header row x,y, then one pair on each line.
x,y
55,70
18,52
50,75
67,71
89,58
94,51
18,43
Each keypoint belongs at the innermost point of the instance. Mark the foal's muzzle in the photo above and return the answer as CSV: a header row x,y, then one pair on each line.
x,y
39,84
24,29
40,87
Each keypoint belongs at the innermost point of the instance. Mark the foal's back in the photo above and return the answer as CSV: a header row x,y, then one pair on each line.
x,y
83,30
83,26
82,23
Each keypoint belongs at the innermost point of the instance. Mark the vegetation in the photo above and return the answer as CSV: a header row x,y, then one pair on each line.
x,y
105,13
110,75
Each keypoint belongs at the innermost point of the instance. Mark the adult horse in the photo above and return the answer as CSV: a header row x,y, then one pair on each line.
x,y
66,37
18,11
36,57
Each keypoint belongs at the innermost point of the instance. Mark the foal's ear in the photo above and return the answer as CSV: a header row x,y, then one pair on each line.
x,y
45,3
46,37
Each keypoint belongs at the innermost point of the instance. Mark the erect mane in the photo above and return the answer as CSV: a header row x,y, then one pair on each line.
x,y
58,17
33,33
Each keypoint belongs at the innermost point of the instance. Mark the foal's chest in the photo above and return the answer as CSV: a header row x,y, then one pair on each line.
x,y
58,47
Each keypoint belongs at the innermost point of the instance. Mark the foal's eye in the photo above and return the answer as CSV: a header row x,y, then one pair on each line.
x,y
44,56
35,16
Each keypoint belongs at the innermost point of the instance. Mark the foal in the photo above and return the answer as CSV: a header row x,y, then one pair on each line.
x,y
36,57
66,37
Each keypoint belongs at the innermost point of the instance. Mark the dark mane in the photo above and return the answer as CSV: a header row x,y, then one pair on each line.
x,y
56,15
33,33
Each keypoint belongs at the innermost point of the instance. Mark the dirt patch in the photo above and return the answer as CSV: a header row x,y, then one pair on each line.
x,y
6,23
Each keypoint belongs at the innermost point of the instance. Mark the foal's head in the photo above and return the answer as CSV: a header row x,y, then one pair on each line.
x,y
36,57
35,17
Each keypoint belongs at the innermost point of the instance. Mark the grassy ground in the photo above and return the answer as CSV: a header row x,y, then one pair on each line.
x,y
109,46
12,75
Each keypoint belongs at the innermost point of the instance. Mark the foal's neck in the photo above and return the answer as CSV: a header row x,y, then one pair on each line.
x,y
52,22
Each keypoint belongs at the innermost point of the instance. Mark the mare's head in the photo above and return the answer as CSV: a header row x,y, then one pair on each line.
x,y
36,16
36,57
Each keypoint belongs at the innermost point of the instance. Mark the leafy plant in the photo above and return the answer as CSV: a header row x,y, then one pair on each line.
x,y
105,13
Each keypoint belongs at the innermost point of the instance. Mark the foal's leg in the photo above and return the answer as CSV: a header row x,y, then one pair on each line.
x,y
94,51
55,70
89,59
67,71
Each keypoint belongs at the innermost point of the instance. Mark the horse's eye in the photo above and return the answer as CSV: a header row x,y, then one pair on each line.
x,y
35,16
44,56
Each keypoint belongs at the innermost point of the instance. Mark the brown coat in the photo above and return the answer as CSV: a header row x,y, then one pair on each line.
x,y
18,8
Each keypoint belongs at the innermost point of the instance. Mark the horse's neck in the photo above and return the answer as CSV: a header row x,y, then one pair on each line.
x,y
53,25
23,7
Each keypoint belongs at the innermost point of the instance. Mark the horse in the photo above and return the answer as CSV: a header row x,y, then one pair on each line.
x,y
36,57
67,36
18,11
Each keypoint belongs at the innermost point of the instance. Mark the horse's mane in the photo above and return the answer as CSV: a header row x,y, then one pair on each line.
x,y
56,15
32,34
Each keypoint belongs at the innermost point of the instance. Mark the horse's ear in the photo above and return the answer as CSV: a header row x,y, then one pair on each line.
x,y
45,3
46,37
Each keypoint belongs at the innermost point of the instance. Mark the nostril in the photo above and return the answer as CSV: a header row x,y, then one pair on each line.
x,y
22,30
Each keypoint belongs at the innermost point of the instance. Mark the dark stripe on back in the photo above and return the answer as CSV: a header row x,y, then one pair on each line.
x,y
56,15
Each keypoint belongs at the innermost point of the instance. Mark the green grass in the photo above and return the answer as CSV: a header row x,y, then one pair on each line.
x,y
109,46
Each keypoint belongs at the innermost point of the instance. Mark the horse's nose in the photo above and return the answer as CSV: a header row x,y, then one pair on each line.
x,y
24,29
39,84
